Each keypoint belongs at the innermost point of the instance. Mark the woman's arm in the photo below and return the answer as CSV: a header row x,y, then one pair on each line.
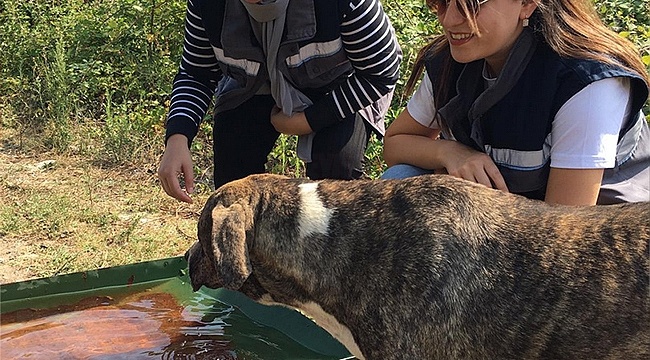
x,y
371,46
409,142
196,81
573,186
410,135
192,92
369,41
584,141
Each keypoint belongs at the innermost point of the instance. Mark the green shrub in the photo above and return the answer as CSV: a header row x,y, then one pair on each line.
x,y
64,59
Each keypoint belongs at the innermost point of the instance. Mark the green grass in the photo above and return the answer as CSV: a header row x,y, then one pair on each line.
x,y
73,216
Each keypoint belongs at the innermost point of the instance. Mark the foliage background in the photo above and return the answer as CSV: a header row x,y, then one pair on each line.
x,y
93,77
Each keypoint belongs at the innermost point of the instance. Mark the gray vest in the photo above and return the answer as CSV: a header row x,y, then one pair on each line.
x,y
311,55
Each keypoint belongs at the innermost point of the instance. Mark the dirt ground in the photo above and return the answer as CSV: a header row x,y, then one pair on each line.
x,y
14,169
62,214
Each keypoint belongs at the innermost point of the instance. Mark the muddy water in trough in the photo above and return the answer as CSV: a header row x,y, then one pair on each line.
x,y
148,324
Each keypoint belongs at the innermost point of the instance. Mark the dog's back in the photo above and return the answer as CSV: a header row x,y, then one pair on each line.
x,y
475,268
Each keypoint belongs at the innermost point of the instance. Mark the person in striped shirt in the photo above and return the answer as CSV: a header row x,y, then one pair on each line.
x,y
324,70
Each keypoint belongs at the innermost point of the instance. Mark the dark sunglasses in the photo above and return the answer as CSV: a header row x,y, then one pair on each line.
x,y
472,6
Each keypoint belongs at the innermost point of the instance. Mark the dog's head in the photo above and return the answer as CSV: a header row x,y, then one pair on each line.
x,y
220,257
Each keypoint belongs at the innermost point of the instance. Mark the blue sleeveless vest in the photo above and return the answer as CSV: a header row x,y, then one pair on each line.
x,y
511,121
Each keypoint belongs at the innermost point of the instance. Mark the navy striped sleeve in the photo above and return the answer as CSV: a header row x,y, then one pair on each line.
x,y
370,43
196,81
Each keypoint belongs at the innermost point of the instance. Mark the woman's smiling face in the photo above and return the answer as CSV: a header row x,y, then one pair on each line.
x,y
499,23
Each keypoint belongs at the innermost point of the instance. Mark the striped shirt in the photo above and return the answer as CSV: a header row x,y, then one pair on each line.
x,y
368,40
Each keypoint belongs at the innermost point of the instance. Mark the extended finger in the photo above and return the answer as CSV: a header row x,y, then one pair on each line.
x,y
189,181
465,175
172,187
163,182
177,190
482,178
497,179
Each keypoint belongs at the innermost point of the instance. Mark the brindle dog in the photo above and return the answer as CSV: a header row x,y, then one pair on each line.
x,y
434,267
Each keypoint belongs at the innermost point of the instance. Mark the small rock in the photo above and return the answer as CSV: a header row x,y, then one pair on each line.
x,y
45,165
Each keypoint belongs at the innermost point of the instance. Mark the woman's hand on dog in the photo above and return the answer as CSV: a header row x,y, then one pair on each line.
x,y
466,163
177,160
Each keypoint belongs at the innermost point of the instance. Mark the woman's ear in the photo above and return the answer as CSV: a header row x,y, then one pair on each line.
x,y
527,8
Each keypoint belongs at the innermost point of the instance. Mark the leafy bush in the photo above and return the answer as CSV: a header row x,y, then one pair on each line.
x,y
65,59
631,19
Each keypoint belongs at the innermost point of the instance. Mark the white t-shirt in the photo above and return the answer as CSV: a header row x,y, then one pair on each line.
x,y
585,130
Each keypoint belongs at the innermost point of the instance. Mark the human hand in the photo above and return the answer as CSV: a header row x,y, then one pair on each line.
x,y
295,124
177,160
466,163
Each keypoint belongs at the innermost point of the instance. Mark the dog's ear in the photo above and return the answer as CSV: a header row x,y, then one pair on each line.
x,y
226,246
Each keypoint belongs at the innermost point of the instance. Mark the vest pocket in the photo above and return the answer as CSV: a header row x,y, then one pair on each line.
x,y
318,69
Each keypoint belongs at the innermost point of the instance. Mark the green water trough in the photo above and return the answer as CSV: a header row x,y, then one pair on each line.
x,y
242,328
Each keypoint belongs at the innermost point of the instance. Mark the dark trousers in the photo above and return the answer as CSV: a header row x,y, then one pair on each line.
x,y
244,137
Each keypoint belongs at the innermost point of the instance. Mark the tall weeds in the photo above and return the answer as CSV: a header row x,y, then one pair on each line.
x,y
55,94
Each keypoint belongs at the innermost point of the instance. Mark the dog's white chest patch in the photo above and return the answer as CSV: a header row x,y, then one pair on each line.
x,y
323,319
328,322
314,217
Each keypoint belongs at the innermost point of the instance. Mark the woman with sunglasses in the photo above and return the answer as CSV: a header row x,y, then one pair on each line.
x,y
534,97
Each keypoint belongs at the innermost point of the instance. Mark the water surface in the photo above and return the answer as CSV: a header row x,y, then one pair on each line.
x,y
149,324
